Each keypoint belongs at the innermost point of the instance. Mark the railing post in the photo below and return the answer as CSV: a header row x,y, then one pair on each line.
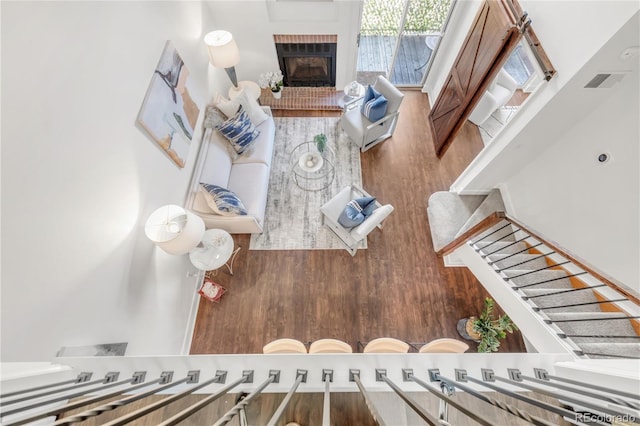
x,y
489,376
164,378
274,377
327,378
461,375
301,376
515,375
354,376
192,377
177,418
110,378
81,378
381,376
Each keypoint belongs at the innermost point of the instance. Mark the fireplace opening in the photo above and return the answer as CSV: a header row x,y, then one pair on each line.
x,y
307,64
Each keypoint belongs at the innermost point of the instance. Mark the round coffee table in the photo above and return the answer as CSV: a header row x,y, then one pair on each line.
x,y
310,169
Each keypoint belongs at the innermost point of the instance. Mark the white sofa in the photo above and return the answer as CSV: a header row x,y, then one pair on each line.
x,y
247,176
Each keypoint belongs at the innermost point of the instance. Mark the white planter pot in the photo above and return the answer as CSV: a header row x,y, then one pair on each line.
x,y
277,94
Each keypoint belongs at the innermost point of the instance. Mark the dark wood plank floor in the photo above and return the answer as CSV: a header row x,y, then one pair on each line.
x,y
396,288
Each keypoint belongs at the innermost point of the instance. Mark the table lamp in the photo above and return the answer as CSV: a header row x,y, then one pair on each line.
x,y
174,229
223,52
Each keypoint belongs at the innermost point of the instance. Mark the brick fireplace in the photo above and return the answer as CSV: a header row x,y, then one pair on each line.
x,y
307,60
308,64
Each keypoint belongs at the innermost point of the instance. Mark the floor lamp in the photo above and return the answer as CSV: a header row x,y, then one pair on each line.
x,y
174,229
223,52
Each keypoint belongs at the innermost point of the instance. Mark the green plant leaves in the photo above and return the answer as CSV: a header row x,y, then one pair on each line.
x,y
492,330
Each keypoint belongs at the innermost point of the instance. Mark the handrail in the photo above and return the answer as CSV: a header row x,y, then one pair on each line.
x,y
485,223
610,282
497,216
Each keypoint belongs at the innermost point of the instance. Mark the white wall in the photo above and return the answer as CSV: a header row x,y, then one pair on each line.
x,y
79,179
546,157
565,185
253,24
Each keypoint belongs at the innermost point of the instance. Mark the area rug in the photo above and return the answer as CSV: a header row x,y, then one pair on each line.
x,y
496,122
292,218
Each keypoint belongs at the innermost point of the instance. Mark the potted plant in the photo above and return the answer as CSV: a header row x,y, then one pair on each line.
x,y
486,329
273,81
321,142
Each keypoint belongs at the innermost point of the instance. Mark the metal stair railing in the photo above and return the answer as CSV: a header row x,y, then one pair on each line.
x,y
503,242
571,399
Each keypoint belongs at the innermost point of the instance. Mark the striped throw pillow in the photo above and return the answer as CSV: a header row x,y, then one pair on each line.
x,y
222,201
239,131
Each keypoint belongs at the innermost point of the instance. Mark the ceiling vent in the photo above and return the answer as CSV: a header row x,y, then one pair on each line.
x,y
605,80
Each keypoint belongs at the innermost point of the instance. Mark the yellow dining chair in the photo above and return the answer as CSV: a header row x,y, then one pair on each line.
x,y
444,345
328,346
284,346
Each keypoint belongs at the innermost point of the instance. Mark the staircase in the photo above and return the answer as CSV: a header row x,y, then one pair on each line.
x,y
451,215
593,317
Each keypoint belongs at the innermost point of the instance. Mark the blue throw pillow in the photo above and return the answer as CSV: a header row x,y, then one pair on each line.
x,y
222,201
239,131
357,211
369,94
375,109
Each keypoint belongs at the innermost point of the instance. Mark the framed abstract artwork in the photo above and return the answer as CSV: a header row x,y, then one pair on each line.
x,y
168,114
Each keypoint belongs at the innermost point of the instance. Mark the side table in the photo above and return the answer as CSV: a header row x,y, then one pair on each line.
x,y
217,249
250,87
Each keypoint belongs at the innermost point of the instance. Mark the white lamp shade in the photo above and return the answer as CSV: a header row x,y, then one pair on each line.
x,y
223,51
174,229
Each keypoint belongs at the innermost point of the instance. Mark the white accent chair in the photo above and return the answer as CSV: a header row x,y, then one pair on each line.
x,y
496,96
365,133
352,237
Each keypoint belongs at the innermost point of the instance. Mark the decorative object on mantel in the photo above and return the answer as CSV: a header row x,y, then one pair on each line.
x,y
272,80
223,52
168,114
486,330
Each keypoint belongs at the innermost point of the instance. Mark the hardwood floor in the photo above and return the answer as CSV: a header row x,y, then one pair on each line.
x,y
397,287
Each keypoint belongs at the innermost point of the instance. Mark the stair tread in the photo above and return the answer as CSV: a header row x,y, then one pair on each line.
x,y
562,299
447,212
611,348
492,203
532,261
558,277
502,247
601,314
609,327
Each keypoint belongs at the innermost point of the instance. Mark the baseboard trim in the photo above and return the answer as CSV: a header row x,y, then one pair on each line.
x,y
193,314
453,261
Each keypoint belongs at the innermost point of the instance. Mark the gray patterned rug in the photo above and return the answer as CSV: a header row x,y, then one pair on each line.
x,y
292,218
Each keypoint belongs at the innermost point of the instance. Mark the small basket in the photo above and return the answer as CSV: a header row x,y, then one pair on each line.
x,y
211,291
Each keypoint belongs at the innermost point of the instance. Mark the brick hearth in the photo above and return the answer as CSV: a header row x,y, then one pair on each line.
x,y
318,98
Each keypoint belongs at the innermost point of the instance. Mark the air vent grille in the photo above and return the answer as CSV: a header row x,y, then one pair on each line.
x,y
604,80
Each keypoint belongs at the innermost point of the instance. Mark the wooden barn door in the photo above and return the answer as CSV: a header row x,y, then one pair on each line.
x,y
491,38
